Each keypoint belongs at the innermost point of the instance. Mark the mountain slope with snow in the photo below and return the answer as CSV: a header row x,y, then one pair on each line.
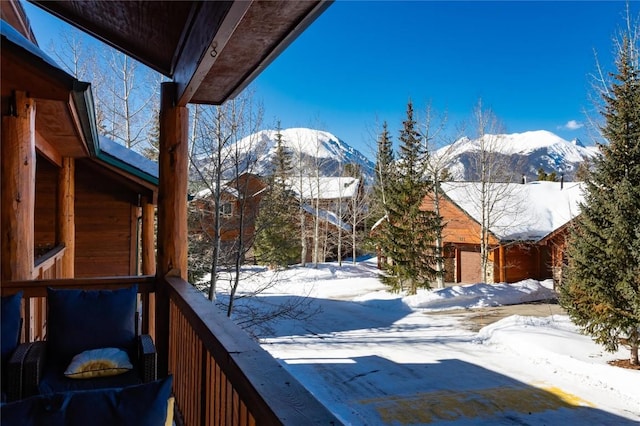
x,y
525,152
310,148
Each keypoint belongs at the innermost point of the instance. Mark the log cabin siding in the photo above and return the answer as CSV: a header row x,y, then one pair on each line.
x,y
520,260
458,226
104,229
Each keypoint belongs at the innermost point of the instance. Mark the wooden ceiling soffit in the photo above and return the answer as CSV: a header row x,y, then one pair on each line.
x,y
244,47
148,31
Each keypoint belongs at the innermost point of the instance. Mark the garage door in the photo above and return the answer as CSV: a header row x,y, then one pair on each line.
x,y
470,267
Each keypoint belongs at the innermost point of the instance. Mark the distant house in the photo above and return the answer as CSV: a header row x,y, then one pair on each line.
x,y
330,199
324,197
240,199
527,238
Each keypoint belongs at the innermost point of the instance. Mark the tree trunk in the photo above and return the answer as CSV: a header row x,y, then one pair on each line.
x,y
634,340
439,248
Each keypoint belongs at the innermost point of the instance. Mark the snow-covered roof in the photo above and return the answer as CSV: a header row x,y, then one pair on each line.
x,y
521,212
328,216
324,188
128,158
206,192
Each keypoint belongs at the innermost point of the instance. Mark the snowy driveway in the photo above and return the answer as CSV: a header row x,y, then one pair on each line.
x,y
372,360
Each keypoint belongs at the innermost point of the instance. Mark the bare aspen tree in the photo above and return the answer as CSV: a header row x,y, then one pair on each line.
x,y
493,171
316,216
74,56
432,132
209,161
340,213
247,120
127,98
357,208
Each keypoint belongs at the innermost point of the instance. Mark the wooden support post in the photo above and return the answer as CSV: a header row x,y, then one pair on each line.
x,y
502,264
148,241
66,224
18,189
148,264
458,277
172,210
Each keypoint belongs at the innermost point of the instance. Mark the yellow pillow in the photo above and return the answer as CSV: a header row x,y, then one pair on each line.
x,y
169,419
98,363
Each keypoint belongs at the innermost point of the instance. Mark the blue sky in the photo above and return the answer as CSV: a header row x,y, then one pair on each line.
x,y
361,61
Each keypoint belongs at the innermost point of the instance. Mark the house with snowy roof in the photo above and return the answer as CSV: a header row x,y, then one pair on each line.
x,y
528,225
238,209
326,198
329,200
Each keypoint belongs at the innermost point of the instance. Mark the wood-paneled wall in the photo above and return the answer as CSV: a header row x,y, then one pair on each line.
x,y
105,226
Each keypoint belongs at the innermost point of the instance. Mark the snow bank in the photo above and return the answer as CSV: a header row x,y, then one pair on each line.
x,y
480,295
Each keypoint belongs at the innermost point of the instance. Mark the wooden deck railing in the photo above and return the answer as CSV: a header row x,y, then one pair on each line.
x,y
49,266
34,300
221,376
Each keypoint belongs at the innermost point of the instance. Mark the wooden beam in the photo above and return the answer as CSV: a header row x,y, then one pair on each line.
x,y
47,150
172,210
66,218
18,189
201,48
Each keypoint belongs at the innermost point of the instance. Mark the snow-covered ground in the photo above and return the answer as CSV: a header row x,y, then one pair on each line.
x,y
377,358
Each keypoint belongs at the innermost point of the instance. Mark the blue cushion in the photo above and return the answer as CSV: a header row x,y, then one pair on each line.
x,y
79,320
10,324
143,405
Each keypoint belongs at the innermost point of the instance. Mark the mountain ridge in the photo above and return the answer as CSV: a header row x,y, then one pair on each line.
x,y
527,152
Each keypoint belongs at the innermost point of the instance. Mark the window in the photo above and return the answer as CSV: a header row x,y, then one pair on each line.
x,y
226,209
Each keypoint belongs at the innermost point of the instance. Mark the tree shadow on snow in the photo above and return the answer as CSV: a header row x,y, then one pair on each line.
x,y
328,316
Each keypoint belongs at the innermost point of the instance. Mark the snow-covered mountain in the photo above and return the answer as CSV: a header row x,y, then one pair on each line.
x,y
310,148
525,152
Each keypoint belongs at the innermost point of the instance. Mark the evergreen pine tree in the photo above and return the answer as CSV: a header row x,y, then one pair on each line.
x,y
602,288
276,242
384,173
410,235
